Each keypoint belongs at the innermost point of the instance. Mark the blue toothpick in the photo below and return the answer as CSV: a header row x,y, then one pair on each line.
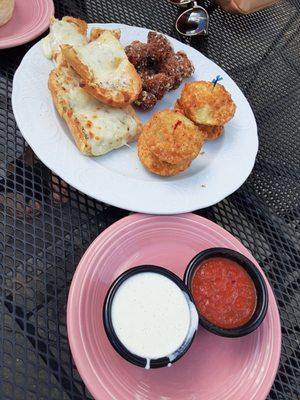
x,y
217,79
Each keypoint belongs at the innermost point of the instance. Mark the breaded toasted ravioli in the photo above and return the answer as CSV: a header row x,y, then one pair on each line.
x,y
211,132
177,107
172,137
154,164
207,104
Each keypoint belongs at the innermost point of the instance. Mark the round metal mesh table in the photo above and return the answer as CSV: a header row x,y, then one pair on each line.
x,y
40,248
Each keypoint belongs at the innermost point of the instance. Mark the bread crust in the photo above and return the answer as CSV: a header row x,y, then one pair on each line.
x,y
113,97
66,113
79,23
97,32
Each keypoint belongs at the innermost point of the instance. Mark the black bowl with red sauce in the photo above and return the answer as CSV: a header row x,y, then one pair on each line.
x,y
229,292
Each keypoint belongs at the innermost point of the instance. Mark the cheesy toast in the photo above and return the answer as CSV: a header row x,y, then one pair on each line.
x,y
97,128
104,68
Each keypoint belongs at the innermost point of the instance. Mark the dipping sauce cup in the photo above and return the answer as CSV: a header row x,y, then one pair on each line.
x,y
149,316
228,290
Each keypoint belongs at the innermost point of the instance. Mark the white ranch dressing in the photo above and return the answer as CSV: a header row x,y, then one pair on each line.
x,y
153,317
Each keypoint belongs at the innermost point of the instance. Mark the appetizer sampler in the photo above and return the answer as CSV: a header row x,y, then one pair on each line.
x,y
96,81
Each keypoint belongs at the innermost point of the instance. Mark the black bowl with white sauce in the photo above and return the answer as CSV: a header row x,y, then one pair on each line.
x,y
150,317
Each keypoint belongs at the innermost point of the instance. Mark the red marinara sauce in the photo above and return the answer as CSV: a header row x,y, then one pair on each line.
x,y
224,293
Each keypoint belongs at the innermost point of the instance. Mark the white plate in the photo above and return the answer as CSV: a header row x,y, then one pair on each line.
x,y
118,177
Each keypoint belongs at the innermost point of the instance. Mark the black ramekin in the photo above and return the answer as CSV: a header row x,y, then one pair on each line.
x,y
111,334
255,275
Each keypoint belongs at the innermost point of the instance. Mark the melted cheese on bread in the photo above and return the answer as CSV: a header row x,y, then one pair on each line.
x,y
106,128
107,61
61,32
103,128
104,68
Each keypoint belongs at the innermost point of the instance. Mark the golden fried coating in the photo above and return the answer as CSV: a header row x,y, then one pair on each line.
x,y
207,104
172,137
177,107
211,132
154,164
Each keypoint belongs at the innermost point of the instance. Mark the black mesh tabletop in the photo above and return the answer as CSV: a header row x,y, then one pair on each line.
x,y
45,227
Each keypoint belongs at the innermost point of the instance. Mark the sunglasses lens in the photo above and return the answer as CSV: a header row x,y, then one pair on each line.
x,y
193,22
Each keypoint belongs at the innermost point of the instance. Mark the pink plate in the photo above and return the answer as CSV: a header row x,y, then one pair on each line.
x,y
29,20
214,368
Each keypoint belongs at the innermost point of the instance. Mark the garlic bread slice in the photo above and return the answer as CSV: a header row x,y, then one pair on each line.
x,y
97,128
105,70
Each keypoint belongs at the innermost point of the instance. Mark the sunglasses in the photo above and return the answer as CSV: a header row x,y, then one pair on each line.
x,y
192,22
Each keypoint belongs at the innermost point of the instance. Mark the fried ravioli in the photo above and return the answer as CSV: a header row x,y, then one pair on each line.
x,y
211,132
172,137
206,103
154,164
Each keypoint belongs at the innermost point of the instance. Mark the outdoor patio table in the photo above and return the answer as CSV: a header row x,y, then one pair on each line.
x,y
41,246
